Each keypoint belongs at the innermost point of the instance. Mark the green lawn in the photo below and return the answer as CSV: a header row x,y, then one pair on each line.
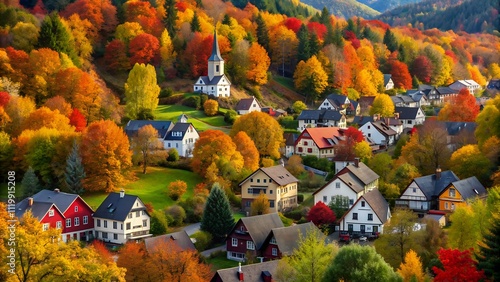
x,y
238,215
152,186
287,82
221,262
198,118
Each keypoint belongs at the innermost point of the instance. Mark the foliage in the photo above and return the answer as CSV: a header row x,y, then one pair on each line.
x,y
487,256
176,189
309,77
193,102
298,107
147,147
321,215
105,156
403,175
260,205
265,132
457,265
211,107
468,161
54,35
175,215
194,205
6,155
158,223
173,155
230,116
363,151
315,162
411,269
217,217
30,183
462,107
248,151
77,120
203,240
381,164
131,257
294,165
382,105
400,75
463,234
141,90
359,263
259,63
74,173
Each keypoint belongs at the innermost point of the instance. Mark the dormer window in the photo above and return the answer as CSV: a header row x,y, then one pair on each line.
x,y
51,212
76,208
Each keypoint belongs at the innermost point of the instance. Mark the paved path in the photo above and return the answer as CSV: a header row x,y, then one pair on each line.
x,y
193,228
208,252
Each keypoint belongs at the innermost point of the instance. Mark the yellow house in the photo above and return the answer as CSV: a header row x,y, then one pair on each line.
x,y
459,192
277,183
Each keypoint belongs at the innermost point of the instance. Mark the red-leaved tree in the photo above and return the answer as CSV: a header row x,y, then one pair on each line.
x,y
345,149
457,266
4,98
320,214
293,24
318,28
422,69
115,56
144,49
400,75
77,120
462,107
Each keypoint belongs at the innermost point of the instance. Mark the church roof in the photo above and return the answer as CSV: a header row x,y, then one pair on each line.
x,y
215,50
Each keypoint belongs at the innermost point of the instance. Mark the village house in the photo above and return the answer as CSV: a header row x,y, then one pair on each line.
x,y
65,211
319,142
458,193
121,217
410,116
470,84
283,241
419,97
256,272
247,105
321,118
248,235
403,101
335,102
380,132
216,82
289,148
279,186
388,82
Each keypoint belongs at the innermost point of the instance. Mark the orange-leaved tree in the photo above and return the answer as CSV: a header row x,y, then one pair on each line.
x,y
147,148
210,107
258,64
106,156
247,149
131,257
411,269
176,189
462,107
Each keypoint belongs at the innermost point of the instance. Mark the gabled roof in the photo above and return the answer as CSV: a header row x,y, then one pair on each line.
x,y
402,99
288,238
215,80
469,188
431,186
38,209
331,115
116,208
350,181
251,272
407,112
466,82
279,174
337,100
160,125
290,138
445,90
362,172
180,238
378,204
455,127
259,226
246,104
178,127
387,77
323,137
361,120
61,200
384,128
309,114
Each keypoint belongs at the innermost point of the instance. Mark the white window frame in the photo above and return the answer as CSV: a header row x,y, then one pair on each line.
x,y
45,227
59,224
68,222
77,221
250,245
234,242
76,208
85,219
275,252
51,212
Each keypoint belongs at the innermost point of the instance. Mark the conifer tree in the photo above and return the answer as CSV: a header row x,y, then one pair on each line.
x,y
390,40
217,217
304,48
74,173
262,33
30,182
489,250
55,36
195,23
171,17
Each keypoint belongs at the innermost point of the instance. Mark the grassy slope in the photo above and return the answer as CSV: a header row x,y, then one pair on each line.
x,y
198,118
152,186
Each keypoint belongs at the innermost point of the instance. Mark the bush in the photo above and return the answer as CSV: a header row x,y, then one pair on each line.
x,y
295,214
194,208
173,155
203,99
172,100
175,215
255,91
230,116
176,189
193,102
158,223
145,114
166,92
300,198
286,221
211,108
234,200
203,240
321,164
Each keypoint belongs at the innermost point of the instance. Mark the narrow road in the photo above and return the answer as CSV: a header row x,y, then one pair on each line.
x,y
193,228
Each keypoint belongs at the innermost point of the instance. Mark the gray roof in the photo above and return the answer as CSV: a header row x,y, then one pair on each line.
x,y
259,226
251,272
384,128
469,188
361,120
386,78
214,80
349,179
309,114
402,99
279,174
337,100
288,238
407,112
161,126
290,138
38,209
455,127
320,115
445,90
378,204
116,208
180,238
215,56
432,186
362,172
43,200
178,127
245,104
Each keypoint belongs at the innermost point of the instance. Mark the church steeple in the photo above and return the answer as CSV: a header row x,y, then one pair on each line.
x,y
215,61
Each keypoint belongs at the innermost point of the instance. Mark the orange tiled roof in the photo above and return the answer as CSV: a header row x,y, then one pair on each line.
x,y
322,135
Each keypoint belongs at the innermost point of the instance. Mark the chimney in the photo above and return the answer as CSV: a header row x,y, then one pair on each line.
x,y
266,276
240,273
396,115
57,190
122,193
438,173
356,162
387,121
30,201
375,117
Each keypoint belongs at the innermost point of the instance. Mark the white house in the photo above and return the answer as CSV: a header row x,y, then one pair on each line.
x,y
367,215
248,105
470,84
181,137
321,118
380,132
120,218
216,82
335,102
410,116
388,82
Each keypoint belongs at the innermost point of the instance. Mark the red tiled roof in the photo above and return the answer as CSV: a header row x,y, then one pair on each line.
x,y
320,135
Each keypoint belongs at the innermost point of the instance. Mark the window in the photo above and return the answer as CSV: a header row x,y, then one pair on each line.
x,y
337,184
68,222
270,191
265,180
362,203
250,190
51,213
98,223
325,199
370,216
300,150
273,241
59,224
452,192
121,226
76,208
309,150
85,219
145,223
305,143
128,226
105,224
271,203
143,212
115,236
369,135
275,252
130,215
369,127
355,216
270,180
234,242
258,180
251,179
137,213
105,235
45,226
409,122
247,204
250,245
115,225
446,205
414,190
77,221
351,202
217,68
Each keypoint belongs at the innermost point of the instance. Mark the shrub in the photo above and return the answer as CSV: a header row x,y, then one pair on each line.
x,y
300,198
176,189
145,114
203,240
211,107
194,208
286,221
172,100
230,116
166,92
158,223
176,215
203,99
193,102
173,155
234,199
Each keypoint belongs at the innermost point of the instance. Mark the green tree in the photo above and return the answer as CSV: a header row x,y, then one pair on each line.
x,y
304,48
382,165
309,261
463,233
74,173
195,23
55,36
159,223
359,263
263,34
489,250
382,105
30,183
298,107
403,175
141,90
339,205
217,217
6,154
468,161
390,40
171,16
310,77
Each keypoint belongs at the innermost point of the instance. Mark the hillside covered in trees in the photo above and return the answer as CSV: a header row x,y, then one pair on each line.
x,y
456,15
345,8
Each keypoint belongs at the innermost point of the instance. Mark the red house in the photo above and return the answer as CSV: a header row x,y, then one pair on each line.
x,y
249,234
65,211
284,240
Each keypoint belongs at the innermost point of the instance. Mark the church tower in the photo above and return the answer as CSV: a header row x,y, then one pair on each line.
x,y
215,62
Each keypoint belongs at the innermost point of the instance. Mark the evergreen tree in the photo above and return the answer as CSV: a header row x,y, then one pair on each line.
x,y
314,43
304,49
195,23
226,20
262,34
217,217
171,17
30,183
74,173
338,39
55,36
390,40
489,250
325,17
370,35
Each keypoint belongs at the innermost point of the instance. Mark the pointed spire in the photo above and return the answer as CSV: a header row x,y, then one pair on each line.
x,y
215,49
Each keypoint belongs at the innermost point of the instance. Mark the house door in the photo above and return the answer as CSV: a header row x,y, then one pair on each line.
x,y
375,229
362,229
349,228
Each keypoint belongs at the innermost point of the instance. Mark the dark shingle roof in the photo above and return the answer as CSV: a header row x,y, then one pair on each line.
x,y
330,115
378,204
215,56
279,174
363,173
259,226
469,188
361,120
288,238
309,114
322,114
62,200
432,186
116,208
38,209
161,126
455,127
245,104
445,90
337,100
251,272
383,128
290,138
351,182
407,112
180,238
402,99
178,127
386,78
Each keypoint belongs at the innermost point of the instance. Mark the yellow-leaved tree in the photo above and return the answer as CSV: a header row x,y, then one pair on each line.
x,y
411,269
310,78
147,148
260,205
167,52
383,105
141,92
258,64
247,149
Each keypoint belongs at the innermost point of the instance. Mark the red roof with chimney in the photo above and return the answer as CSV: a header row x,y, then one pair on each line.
x,y
321,136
